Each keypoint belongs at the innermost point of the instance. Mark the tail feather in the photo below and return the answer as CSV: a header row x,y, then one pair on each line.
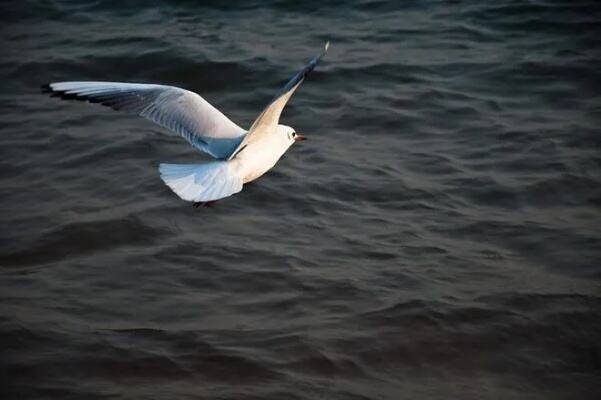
x,y
201,182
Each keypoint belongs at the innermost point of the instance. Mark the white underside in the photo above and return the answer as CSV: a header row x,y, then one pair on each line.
x,y
218,179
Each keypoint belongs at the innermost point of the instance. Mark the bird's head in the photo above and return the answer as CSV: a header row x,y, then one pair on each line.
x,y
290,134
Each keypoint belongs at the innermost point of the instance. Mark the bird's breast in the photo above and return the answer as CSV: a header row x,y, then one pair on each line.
x,y
256,159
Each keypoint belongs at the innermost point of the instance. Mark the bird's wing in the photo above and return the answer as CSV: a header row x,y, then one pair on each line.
x,y
178,110
270,116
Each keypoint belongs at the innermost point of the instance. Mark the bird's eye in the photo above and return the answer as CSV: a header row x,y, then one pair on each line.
x,y
293,134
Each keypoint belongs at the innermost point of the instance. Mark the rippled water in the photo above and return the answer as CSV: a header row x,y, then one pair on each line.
x,y
438,237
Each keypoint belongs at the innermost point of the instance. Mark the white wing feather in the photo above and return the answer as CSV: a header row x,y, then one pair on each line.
x,y
178,110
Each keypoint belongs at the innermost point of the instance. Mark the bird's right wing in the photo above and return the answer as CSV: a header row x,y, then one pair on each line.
x,y
270,116
178,110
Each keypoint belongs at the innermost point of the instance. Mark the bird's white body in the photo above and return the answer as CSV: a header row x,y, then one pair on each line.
x,y
259,157
242,156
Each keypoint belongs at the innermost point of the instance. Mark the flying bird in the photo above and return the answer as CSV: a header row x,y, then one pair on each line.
x,y
241,156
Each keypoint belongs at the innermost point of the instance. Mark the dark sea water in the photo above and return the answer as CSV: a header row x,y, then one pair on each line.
x,y
437,238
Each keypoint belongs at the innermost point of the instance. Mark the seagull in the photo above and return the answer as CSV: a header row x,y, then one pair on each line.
x,y
240,156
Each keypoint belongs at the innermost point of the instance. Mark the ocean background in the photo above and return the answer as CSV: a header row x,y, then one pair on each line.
x,y
438,237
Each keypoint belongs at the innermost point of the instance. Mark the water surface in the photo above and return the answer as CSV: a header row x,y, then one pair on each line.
x,y
438,236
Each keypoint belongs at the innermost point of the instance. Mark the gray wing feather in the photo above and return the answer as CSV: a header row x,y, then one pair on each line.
x,y
270,116
178,110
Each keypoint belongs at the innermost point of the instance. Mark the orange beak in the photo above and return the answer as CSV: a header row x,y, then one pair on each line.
x,y
299,138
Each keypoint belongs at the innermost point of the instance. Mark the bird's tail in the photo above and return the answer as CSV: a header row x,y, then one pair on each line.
x,y
202,182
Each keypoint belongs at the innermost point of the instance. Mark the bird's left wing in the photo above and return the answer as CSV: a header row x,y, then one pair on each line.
x,y
179,110
270,116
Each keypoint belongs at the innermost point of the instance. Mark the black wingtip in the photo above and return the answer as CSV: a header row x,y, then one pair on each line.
x,y
64,95
48,89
